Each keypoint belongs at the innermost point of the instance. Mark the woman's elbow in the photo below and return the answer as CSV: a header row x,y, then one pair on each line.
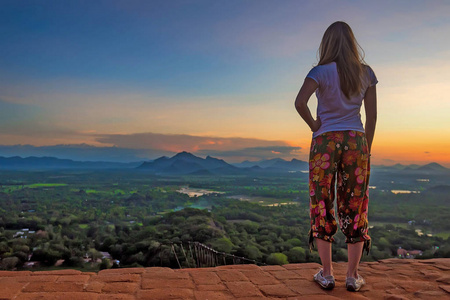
x,y
299,104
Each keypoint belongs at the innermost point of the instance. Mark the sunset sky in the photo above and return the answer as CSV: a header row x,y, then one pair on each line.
x,y
214,78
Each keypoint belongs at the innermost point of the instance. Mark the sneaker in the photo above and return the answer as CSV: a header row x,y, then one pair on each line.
x,y
354,284
326,282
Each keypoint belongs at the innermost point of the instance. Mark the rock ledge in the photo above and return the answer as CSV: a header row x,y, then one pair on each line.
x,y
386,279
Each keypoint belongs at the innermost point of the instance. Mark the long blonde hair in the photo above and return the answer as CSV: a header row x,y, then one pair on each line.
x,y
339,45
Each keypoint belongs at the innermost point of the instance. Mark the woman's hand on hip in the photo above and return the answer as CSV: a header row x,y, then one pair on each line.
x,y
316,125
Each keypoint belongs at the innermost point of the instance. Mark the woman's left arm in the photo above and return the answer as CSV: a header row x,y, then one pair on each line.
x,y
370,105
301,103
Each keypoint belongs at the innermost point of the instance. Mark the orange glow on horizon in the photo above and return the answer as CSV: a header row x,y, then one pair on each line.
x,y
416,147
407,147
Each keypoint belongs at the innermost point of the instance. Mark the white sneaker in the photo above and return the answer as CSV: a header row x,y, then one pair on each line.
x,y
326,282
354,284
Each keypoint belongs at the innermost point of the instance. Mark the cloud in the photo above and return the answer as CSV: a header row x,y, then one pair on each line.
x,y
182,142
235,148
148,146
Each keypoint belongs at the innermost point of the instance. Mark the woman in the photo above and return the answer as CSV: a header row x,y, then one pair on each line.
x,y
340,149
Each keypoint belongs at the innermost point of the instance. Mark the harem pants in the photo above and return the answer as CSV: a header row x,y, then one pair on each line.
x,y
340,156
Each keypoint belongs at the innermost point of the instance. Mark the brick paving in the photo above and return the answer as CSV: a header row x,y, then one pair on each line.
x,y
392,279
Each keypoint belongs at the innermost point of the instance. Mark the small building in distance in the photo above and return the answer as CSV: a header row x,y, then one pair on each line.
x,y
403,253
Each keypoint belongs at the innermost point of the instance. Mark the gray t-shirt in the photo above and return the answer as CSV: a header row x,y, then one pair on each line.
x,y
335,110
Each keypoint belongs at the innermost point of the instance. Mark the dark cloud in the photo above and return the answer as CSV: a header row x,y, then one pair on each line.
x,y
148,146
233,149
183,142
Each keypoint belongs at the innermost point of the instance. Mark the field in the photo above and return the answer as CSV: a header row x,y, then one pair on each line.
x,y
53,216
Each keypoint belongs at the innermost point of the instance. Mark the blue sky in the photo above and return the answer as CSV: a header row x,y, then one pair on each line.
x,y
92,71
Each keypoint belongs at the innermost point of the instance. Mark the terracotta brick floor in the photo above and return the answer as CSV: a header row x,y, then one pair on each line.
x,y
386,279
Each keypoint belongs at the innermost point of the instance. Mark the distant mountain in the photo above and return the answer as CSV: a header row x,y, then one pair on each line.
x,y
51,163
187,163
398,166
293,165
276,164
413,168
245,164
82,152
265,163
432,167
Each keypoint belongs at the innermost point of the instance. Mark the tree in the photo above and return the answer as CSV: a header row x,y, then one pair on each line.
x,y
222,245
295,242
296,255
277,259
105,264
9,263
252,252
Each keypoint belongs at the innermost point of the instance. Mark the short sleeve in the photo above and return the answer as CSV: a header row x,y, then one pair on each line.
x,y
314,74
372,77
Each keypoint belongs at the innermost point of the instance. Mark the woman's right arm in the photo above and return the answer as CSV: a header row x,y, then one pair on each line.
x,y
301,103
370,106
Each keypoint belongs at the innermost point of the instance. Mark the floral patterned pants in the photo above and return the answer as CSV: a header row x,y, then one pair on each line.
x,y
342,157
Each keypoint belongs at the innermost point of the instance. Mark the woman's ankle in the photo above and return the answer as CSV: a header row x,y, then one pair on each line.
x,y
352,274
327,272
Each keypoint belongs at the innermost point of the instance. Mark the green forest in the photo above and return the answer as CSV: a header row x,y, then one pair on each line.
x,y
91,220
